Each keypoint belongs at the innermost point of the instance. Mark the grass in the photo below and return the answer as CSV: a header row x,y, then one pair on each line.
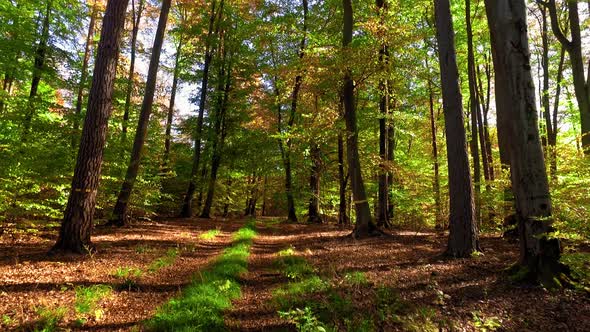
x,y
210,234
87,299
129,276
48,318
201,305
168,259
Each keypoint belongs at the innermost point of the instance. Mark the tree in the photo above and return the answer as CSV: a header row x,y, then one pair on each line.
x,y
364,226
136,20
463,238
84,73
573,47
187,206
170,114
515,96
76,227
120,210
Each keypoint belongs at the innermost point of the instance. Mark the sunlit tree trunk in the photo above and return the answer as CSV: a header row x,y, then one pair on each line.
x,y
439,222
76,227
364,225
314,184
463,237
170,114
120,211
539,254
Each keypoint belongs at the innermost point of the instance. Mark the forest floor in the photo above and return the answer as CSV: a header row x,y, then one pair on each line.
x,y
298,276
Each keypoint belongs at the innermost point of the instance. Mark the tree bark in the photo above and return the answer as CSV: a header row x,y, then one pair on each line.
x,y
76,227
119,217
187,209
136,19
463,237
539,254
84,75
364,225
314,184
343,217
553,137
439,222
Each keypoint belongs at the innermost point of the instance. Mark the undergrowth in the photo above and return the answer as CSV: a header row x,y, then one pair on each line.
x,y
210,234
201,305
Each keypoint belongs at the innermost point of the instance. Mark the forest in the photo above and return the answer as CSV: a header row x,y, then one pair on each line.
x,y
294,165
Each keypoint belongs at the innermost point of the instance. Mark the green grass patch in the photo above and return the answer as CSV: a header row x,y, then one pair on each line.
x,y
293,266
48,318
168,259
356,278
210,234
201,305
129,277
579,264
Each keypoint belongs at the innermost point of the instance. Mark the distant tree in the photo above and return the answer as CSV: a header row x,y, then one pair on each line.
x,y
76,227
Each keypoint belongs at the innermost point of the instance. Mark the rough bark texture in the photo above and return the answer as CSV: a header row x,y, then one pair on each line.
x,y
136,16
343,217
84,75
364,225
314,184
463,238
76,227
120,211
539,255
187,206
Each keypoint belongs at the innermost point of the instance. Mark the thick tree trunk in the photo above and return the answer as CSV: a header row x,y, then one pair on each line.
x,y
136,19
170,114
314,184
187,210
84,75
364,225
39,64
463,237
119,217
539,254
76,227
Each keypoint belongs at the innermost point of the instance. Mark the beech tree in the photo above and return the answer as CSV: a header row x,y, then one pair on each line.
x,y
76,227
463,233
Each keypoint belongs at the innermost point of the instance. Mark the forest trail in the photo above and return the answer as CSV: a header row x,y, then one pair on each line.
x,y
392,283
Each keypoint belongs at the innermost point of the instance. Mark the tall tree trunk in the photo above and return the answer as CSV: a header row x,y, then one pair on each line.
x,y
343,217
136,19
264,190
76,227
539,255
574,49
170,115
485,102
391,143
463,237
314,184
364,226
553,137
545,86
187,210
383,198
84,75
120,211
220,125
439,222
39,64
474,107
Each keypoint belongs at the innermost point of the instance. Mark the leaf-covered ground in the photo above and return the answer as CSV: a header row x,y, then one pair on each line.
x,y
299,276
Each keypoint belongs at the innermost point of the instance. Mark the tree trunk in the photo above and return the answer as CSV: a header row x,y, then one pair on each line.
x,y
220,126
574,49
364,226
343,217
474,107
171,106
553,137
76,227
136,19
264,189
463,237
119,217
39,64
439,222
84,75
539,255
485,102
314,184
187,210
